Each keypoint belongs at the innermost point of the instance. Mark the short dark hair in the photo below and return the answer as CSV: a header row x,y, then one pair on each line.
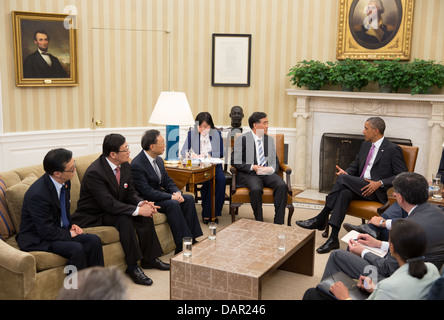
x,y
56,160
377,123
409,240
412,186
205,116
40,31
149,138
112,143
256,117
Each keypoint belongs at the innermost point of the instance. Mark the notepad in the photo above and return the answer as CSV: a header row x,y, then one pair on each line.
x,y
354,234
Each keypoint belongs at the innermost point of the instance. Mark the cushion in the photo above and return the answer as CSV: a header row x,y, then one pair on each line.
x,y
14,198
7,228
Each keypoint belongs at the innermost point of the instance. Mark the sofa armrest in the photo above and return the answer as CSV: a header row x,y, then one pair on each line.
x,y
18,272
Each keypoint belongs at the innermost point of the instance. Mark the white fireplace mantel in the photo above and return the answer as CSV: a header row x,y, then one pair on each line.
x,y
428,109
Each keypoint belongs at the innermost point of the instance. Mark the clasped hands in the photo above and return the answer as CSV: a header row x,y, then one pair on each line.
x,y
75,230
368,189
147,209
262,171
178,197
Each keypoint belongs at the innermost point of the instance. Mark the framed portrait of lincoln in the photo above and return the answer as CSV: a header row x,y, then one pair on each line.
x,y
375,29
45,49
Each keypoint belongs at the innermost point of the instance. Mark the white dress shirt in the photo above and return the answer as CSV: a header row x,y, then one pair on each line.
x,y
377,144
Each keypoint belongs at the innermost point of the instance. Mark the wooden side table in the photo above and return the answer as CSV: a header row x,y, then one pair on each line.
x,y
182,176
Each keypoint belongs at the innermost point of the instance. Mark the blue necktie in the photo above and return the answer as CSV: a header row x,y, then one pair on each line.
x,y
262,161
65,221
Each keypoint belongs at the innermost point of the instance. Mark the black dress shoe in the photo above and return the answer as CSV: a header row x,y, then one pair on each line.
x,y
329,245
139,277
312,223
157,264
363,228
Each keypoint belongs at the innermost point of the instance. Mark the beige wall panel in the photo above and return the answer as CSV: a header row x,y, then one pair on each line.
x,y
122,86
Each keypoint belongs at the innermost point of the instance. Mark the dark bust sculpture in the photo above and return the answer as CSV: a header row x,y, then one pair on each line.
x,y
236,115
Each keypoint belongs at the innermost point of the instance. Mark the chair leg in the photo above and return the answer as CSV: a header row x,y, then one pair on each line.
x,y
290,213
234,210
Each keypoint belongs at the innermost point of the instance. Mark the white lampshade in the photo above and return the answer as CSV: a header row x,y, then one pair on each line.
x,y
172,108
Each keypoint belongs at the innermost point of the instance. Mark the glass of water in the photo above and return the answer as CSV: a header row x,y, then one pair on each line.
x,y
187,246
281,242
437,191
212,226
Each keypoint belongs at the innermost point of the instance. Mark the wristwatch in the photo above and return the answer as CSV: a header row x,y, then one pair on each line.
x,y
381,222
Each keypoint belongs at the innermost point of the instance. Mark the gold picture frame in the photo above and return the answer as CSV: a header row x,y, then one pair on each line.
x,y
45,36
369,31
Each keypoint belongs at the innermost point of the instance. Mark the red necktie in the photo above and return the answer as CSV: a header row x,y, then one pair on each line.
x,y
118,175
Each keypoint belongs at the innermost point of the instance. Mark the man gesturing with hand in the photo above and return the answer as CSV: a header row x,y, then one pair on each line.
x,y
368,177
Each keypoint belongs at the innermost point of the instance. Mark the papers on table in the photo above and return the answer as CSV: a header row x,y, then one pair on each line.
x,y
212,160
354,235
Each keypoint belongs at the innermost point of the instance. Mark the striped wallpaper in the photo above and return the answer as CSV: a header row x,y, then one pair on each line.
x,y
131,50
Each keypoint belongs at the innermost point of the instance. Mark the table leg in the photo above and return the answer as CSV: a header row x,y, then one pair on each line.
x,y
213,198
302,261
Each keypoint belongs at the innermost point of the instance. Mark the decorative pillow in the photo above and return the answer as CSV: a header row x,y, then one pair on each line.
x,y
7,228
14,198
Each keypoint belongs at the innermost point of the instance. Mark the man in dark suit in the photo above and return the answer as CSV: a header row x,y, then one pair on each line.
x,y
254,157
108,197
153,182
411,192
46,224
367,178
41,64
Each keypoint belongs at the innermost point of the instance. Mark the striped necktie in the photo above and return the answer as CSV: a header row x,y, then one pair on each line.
x,y
262,160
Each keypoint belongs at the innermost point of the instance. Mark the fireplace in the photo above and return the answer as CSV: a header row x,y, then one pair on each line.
x,y
419,118
340,149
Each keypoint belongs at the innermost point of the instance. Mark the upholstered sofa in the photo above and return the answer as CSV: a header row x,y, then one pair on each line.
x,y
40,275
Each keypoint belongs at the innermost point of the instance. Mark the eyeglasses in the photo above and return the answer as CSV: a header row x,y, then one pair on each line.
x,y
73,168
127,149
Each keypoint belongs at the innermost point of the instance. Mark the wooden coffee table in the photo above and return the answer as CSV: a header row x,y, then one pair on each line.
x,y
234,265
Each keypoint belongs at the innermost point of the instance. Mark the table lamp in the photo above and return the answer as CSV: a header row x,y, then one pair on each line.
x,y
173,110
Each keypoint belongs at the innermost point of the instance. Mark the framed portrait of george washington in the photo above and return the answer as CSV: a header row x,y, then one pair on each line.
x,y
45,49
375,29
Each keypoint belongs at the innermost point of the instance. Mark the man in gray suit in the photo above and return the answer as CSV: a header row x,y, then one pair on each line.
x,y
257,164
411,192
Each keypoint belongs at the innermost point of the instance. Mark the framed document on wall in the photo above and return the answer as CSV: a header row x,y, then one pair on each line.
x,y
45,49
375,29
231,60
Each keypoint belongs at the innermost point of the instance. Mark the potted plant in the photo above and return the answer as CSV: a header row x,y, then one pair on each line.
x,y
424,74
350,73
311,74
390,75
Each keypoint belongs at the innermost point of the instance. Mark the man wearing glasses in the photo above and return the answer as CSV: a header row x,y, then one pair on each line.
x,y
108,198
153,182
46,223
